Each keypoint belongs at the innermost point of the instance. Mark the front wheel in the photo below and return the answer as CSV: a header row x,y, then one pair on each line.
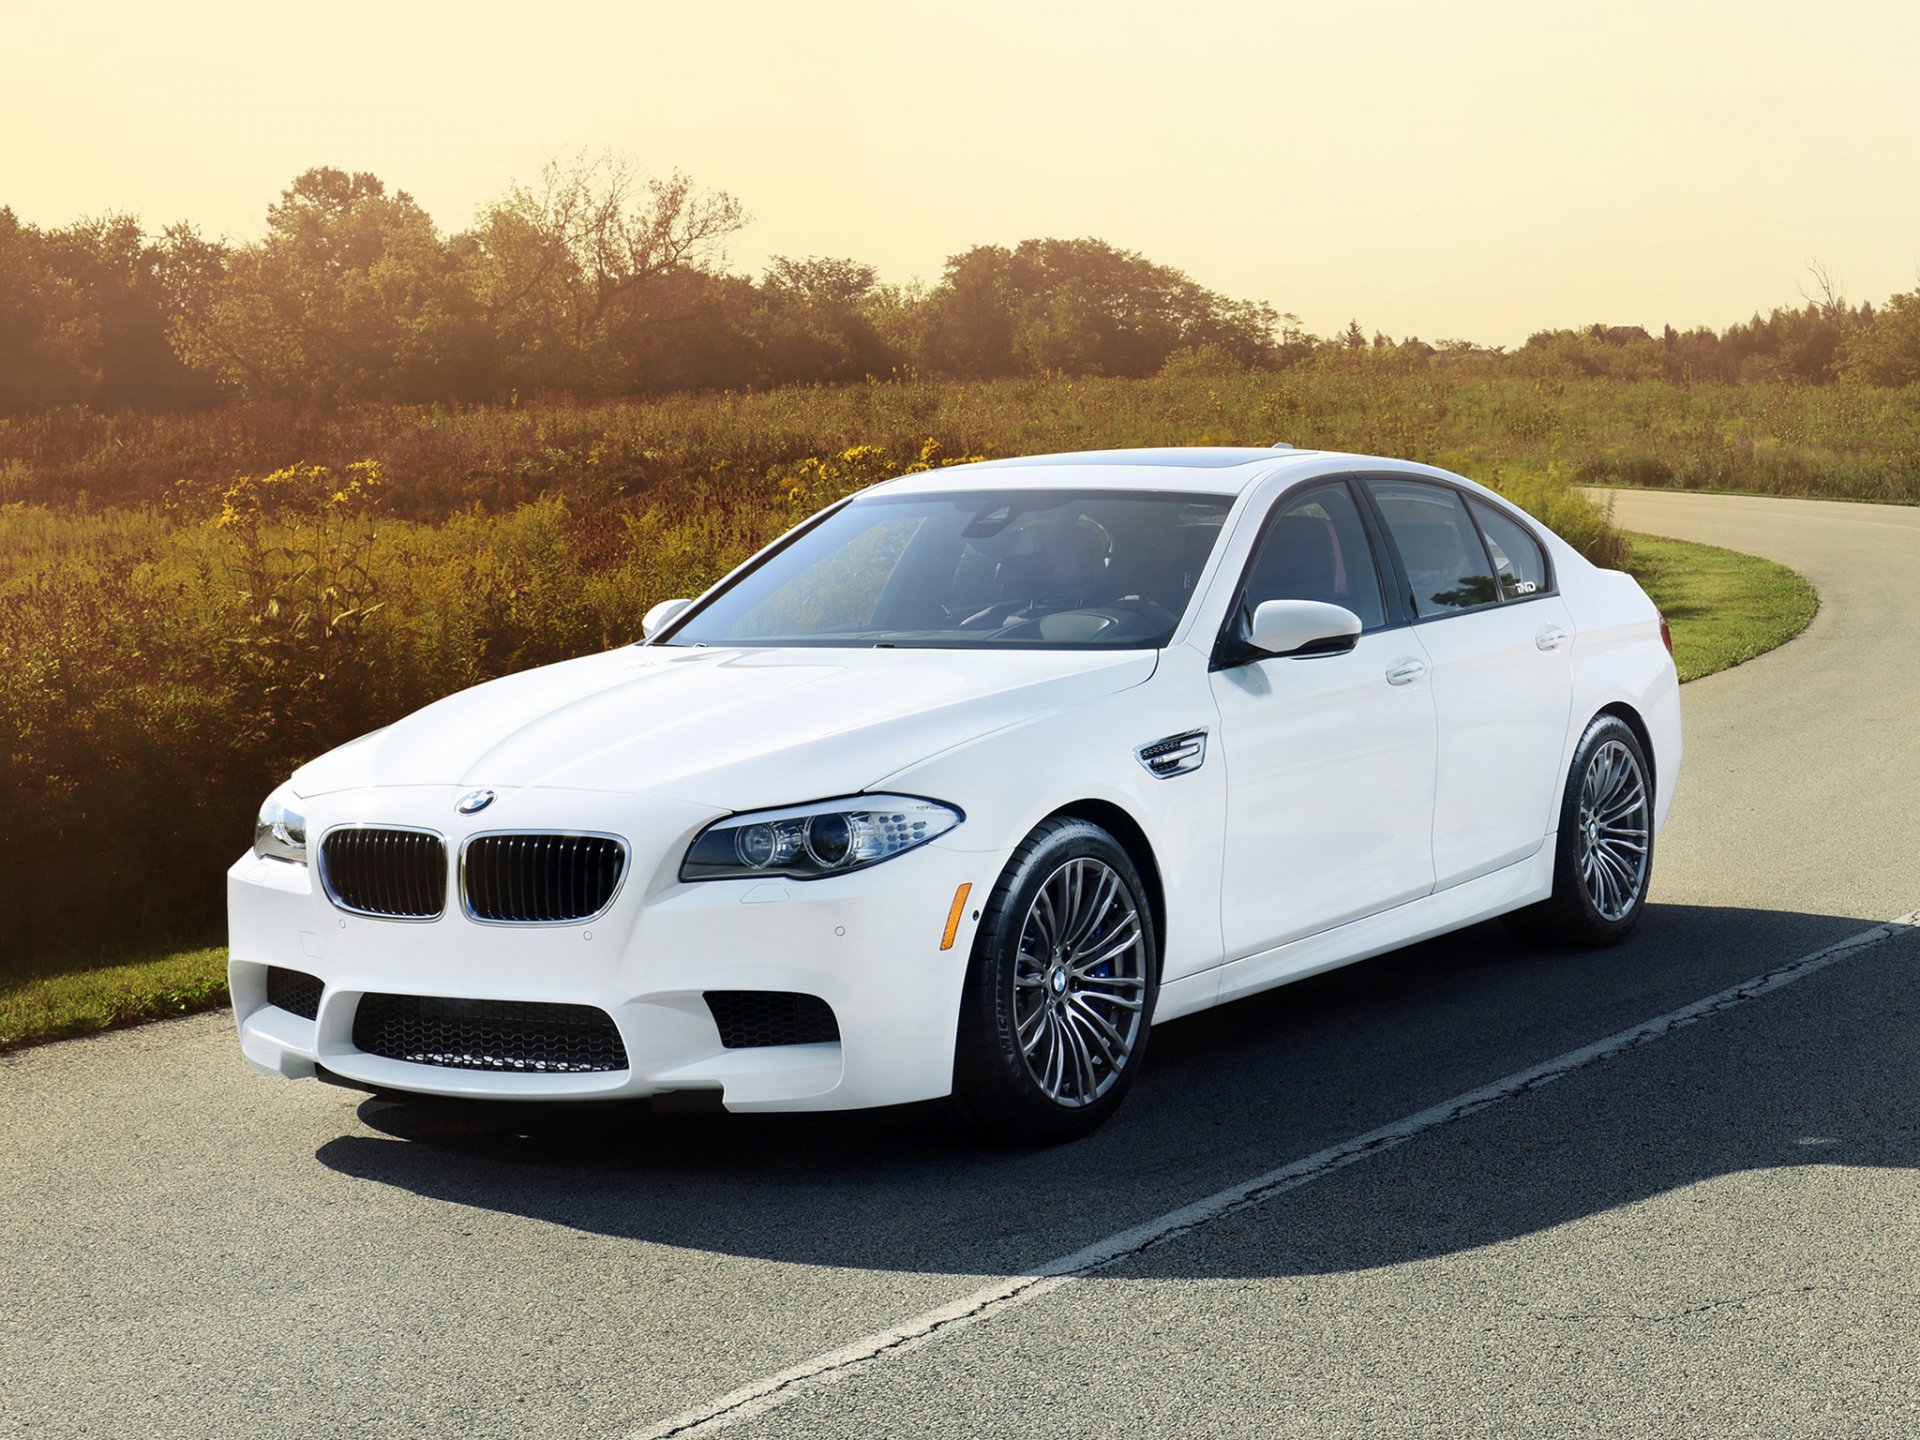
x,y
1603,856
1060,989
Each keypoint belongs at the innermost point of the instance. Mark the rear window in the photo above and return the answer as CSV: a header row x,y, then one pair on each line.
x,y
1518,561
1439,547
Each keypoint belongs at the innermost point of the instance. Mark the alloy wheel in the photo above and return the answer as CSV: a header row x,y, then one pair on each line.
x,y
1615,833
1080,982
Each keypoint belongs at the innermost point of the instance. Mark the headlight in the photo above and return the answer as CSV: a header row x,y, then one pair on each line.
x,y
281,831
809,842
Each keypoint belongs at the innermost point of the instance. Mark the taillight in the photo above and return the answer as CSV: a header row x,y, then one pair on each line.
x,y
1666,634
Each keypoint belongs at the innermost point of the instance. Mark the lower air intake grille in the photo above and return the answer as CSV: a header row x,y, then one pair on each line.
x,y
750,1018
509,1035
294,991
541,879
394,874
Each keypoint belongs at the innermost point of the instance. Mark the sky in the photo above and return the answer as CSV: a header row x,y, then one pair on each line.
x,y
1474,169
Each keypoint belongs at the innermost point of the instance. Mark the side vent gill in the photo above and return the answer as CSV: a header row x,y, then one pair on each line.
x,y
1175,755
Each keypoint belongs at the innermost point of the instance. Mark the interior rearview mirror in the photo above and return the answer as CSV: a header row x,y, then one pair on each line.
x,y
1302,627
661,616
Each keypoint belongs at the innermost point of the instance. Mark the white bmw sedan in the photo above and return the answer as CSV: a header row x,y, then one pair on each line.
x,y
961,786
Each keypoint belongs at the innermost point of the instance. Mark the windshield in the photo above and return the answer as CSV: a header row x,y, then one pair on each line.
x,y
1054,569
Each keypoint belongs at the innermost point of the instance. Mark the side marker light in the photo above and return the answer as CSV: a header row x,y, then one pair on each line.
x,y
954,912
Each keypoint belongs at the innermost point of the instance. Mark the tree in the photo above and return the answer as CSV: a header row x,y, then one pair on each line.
x,y
562,270
188,272
1885,349
968,318
898,316
1068,328
1081,306
49,334
684,329
122,278
813,322
820,280
352,294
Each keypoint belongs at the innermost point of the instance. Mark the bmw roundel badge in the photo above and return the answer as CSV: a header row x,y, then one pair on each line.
x,y
475,802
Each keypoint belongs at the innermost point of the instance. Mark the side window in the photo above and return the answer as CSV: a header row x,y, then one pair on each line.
x,y
1517,560
1445,562
1316,548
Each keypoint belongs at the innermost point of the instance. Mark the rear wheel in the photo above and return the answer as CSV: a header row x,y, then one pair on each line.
x,y
1060,990
1603,856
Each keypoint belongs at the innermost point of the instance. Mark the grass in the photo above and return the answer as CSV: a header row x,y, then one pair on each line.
x,y
1478,418
92,991
1724,607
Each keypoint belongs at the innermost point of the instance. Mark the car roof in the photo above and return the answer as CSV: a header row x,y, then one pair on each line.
x,y
1202,469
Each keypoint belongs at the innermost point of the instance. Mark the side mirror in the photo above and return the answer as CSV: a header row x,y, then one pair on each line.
x,y
661,616
1302,627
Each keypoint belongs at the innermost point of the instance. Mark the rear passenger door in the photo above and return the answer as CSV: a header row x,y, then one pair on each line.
x,y
1484,604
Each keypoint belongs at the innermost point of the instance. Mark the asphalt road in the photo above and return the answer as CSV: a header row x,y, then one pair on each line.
x,y
1716,1232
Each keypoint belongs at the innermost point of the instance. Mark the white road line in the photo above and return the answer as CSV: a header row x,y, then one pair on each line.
x,y
776,1390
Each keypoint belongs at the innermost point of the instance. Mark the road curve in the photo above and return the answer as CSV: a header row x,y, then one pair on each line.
x,y
1718,1232
1802,763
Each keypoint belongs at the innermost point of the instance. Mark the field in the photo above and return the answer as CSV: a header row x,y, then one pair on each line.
x,y
192,603
1840,441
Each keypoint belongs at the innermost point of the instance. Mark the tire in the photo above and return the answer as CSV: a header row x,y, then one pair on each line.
x,y
1603,847
1049,1043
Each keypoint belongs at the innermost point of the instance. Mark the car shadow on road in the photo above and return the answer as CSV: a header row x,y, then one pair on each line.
x,y
1826,1072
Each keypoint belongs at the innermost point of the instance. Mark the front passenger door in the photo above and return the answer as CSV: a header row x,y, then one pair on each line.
x,y
1329,758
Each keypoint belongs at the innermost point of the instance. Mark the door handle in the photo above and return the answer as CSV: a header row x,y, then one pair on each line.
x,y
1549,637
1406,671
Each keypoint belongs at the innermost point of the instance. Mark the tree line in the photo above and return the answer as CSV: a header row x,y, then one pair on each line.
x,y
597,282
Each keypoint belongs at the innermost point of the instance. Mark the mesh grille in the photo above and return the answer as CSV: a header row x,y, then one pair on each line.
x,y
488,1034
398,874
541,879
294,991
749,1018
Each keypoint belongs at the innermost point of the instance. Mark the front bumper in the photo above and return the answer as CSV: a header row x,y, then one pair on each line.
x,y
867,943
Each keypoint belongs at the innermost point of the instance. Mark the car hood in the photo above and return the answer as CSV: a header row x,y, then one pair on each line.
x,y
733,728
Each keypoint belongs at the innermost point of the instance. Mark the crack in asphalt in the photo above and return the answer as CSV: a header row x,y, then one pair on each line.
x,y
1688,1311
776,1390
